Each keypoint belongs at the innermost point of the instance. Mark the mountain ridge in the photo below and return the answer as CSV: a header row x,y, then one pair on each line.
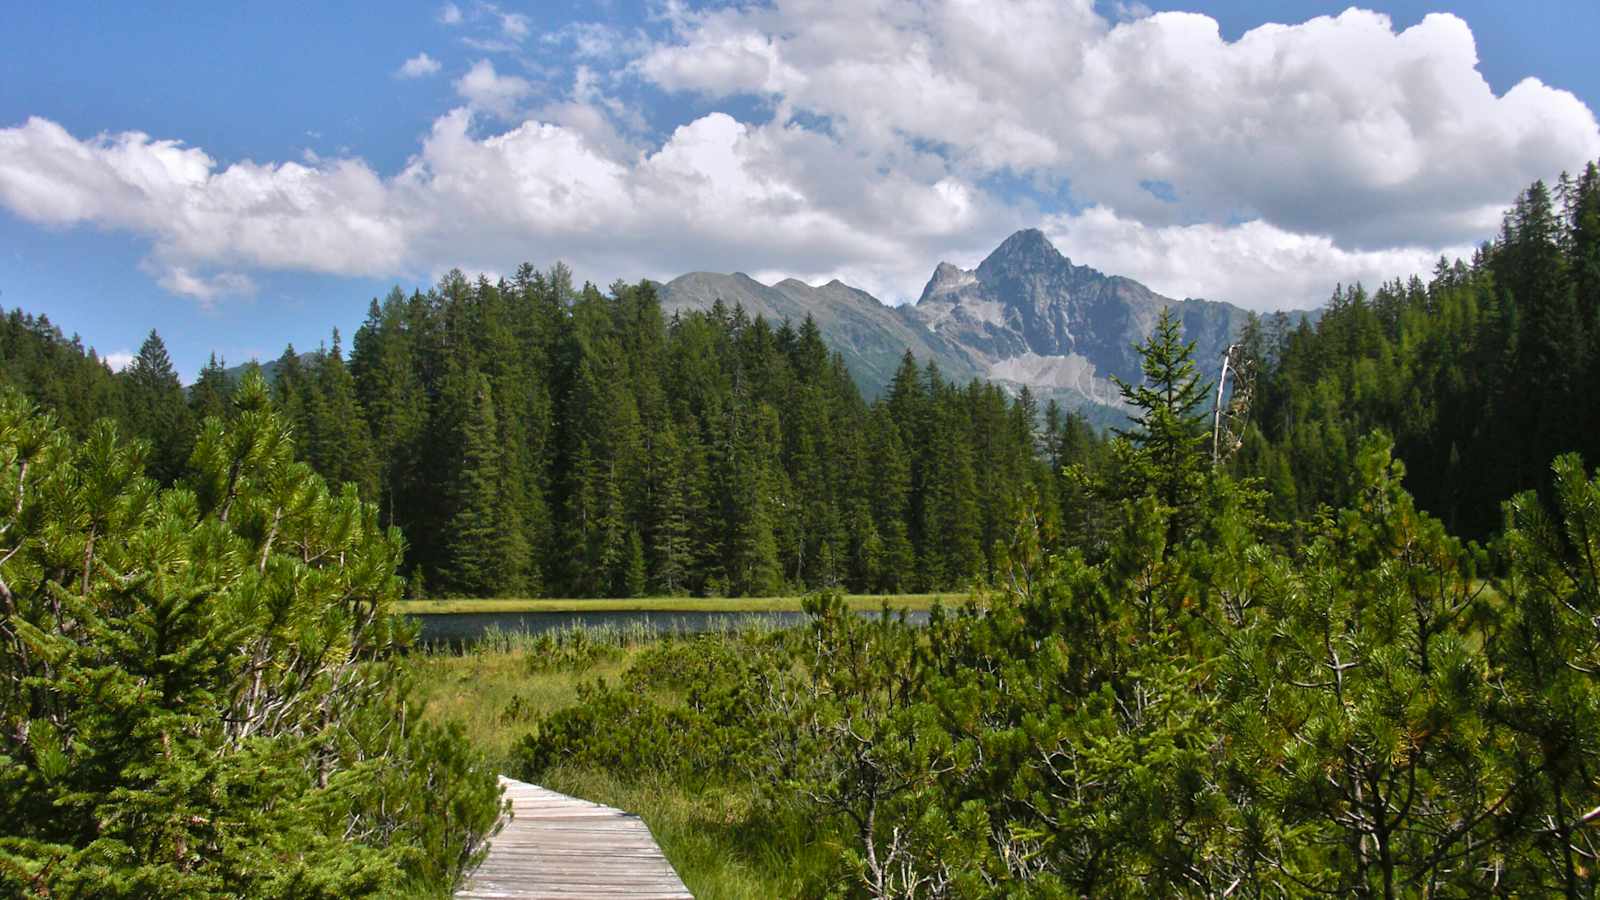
x,y
1026,315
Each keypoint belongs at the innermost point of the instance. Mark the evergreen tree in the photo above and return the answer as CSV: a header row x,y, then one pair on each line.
x,y
157,407
1546,655
385,367
210,394
479,562
1167,438
205,701
338,439
675,504
752,549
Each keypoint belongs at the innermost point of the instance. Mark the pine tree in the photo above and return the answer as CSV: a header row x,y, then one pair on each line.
x,y
158,409
672,551
1366,695
210,699
478,566
1546,655
1167,440
210,394
339,441
752,548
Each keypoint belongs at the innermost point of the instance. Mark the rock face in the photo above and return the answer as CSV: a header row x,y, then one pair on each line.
x,y
1031,317
1025,316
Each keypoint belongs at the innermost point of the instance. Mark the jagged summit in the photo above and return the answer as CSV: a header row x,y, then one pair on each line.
x,y
946,279
1025,316
1028,246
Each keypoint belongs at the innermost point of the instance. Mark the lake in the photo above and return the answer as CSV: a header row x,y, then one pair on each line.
x,y
464,628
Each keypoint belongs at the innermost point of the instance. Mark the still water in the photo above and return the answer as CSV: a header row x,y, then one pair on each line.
x,y
463,628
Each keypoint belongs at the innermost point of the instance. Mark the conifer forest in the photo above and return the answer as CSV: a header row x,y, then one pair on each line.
x,y
1353,652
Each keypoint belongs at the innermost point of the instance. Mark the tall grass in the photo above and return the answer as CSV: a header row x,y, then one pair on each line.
x,y
722,845
500,686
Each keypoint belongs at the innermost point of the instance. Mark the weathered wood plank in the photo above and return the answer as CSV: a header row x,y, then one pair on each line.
x,y
564,848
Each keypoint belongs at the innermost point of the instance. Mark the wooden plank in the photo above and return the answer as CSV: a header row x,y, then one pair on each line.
x,y
564,848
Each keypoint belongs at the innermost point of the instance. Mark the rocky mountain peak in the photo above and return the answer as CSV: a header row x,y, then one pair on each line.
x,y
1026,250
1025,316
947,279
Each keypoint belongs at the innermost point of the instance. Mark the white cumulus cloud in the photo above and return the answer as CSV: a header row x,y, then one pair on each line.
x,y
485,89
1255,264
1339,126
419,66
890,135
717,193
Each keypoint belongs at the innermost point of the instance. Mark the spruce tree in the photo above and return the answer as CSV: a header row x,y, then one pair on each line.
x,y
158,409
340,442
752,548
477,565
672,551
1168,435
210,393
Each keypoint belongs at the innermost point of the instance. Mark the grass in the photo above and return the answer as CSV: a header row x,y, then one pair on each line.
x,y
860,602
721,851
498,690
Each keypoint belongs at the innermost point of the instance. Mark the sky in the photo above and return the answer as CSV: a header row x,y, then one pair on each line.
x,y
242,178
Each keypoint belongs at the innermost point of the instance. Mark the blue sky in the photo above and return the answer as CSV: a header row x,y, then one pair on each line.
x,y
243,178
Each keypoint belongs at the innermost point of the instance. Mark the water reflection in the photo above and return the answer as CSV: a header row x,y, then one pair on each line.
x,y
465,628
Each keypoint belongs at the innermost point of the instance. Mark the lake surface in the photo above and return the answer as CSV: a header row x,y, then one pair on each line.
x,y
464,628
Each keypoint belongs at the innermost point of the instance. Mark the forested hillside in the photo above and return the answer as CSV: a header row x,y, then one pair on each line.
x,y
532,437
1184,705
1482,375
529,438
1175,672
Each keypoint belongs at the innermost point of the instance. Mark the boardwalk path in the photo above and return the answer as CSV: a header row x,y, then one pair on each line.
x,y
557,846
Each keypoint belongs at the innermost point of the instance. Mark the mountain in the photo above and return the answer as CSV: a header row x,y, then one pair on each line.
x,y
269,368
869,334
1025,316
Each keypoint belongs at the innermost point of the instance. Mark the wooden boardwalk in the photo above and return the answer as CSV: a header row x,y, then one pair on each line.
x,y
557,846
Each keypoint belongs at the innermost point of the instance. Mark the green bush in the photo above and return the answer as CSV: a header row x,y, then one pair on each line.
x,y
199,690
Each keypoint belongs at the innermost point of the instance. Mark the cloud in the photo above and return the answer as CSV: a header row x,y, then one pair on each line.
x,y
1339,126
418,66
485,89
491,29
1122,10
1260,171
206,289
1255,264
717,193
334,215
596,41
118,360
515,25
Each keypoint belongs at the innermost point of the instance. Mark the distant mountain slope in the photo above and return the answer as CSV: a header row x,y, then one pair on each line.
x,y
269,368
1025,316
870,335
